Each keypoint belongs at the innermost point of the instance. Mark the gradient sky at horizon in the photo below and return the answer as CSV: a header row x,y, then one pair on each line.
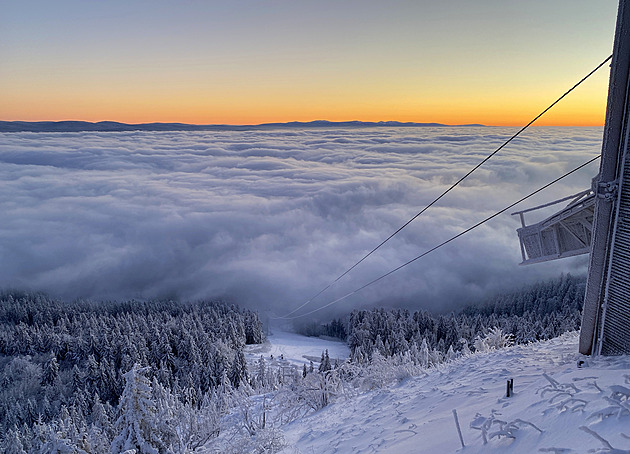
x,y
494,62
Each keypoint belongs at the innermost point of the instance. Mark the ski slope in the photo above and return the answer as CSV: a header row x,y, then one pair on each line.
x,y
297,349
554,406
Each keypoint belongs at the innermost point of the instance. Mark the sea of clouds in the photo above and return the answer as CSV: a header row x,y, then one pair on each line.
x,y
267,218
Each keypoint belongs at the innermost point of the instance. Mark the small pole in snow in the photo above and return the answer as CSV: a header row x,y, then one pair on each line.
x,y
510,388
459,430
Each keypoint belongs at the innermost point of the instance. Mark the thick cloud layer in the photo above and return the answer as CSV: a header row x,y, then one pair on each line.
x,y
268,218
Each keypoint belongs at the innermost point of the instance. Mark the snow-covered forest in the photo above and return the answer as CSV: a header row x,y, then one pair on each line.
x,y
68,375
162,376
538,312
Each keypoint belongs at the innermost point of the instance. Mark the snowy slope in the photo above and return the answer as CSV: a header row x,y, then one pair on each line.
x,y
416,416
297,349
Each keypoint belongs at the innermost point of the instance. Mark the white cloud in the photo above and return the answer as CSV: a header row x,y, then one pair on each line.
x,y
271,217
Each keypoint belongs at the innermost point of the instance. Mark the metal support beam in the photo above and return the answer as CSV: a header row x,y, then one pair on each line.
x,y
612,147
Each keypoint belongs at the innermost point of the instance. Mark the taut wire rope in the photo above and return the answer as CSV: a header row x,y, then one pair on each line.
x,y
444,243
453,186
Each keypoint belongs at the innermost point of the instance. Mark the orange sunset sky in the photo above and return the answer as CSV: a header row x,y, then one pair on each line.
x,y
247,62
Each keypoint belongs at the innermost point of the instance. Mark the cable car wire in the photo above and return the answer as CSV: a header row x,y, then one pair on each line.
x,y
444,243
453,186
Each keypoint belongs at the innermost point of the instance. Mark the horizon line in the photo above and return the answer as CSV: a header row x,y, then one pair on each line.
x,y
311,123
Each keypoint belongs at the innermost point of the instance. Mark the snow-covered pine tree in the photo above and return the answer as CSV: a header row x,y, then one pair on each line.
x,y
13,443
51,370
450,354
424,354
100,415
261,373
238,371
324,365
136,425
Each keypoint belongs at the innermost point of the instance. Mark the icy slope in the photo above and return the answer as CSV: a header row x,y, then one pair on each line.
x,y
550,393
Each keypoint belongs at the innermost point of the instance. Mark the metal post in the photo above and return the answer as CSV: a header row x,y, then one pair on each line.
x,y
604,208
459,430
510,388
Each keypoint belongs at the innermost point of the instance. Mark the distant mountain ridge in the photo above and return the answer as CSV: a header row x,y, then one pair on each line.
x,y
113,126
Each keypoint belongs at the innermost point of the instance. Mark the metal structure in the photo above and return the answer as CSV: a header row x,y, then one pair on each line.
x,y
564,234
606,314
598,220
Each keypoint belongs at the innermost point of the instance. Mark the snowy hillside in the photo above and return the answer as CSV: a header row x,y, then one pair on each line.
x,y
556,407
200,382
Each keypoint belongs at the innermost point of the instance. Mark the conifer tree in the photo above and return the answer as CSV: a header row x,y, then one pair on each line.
x,y
12,443
136,425
51,370
238,372
424,353
324,365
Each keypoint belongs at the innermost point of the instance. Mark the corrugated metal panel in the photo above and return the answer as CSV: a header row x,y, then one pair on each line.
x,y
616,321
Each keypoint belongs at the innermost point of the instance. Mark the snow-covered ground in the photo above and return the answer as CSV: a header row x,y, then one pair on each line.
x,y
297,349
554,406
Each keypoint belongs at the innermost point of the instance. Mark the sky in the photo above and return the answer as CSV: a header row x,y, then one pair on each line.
x,y
496,62
266,218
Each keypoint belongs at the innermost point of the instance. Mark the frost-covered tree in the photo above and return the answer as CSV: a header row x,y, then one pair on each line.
x,y
494,339
465,348
51,370
62,436
450,354
195,427
101,414
318,390
423,354
78,379
13,443
260,378
238,371
324,365
136,424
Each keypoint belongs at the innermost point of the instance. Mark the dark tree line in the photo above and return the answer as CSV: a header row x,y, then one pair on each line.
x,y
335,328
